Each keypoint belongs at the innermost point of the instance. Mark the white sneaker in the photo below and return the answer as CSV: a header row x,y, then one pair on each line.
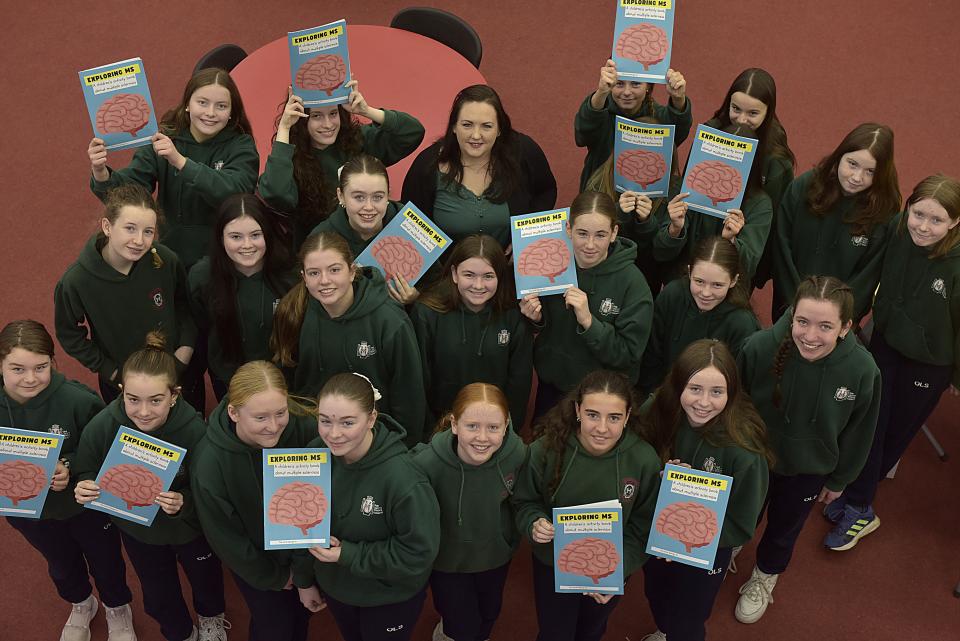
x,y
120,624
213,628
655,636
755,595
77,627
438,634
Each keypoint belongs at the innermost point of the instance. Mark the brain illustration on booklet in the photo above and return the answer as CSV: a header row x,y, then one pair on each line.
x,y
548,257
398,257
590,557
299,504
716,180
133,484
21,480
692,524
641,166
123,113
326,72
645,43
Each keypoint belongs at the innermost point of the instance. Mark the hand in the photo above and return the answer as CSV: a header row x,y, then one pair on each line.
x,y
828,496
402,291
356,103
677,88
639,204
733,224
599,598
170,502
608,77
953,390
328,555
183,354
576,299
86,491
531,308
311,599
292,112
542,531
164,148
677,210
97,152
61,477
289,583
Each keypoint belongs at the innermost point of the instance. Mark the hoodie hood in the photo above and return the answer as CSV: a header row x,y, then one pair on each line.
x,y
173,429
369,293
622,252
92,261
225,135
339,222
222,433
33,404
387,442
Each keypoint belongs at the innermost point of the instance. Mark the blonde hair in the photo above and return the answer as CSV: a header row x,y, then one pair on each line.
x,y
256,377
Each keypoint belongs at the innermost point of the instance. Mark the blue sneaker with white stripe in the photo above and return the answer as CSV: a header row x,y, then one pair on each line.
x,y
852,526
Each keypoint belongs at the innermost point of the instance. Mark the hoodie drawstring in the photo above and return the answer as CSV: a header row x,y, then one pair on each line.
x,y
563,477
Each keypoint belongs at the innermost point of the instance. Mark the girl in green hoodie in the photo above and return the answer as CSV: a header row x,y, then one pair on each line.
x,y
75,543
588,449
473,462
151,404
385,531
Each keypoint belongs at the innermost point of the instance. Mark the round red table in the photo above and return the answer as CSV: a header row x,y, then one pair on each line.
x,y
396,69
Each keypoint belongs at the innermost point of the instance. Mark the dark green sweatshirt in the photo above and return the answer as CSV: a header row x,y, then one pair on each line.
x,y
227,481
629,472
829,407
478,531
224,165
594,129
677,322
64,407
720,455
387,519
184,427
374,337
255,304
809,245
918,304
622,309
119,309
339,223
463,347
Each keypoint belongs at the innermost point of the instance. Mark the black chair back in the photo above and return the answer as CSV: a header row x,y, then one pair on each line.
x,y
444,27
225,57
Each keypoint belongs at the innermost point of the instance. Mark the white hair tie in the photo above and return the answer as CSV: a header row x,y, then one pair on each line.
x,y
376,393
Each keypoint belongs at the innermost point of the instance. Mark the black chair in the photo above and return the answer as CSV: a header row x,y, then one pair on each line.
x,y
225,57
443,27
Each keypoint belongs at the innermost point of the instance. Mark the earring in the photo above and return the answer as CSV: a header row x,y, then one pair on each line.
x,y
578,419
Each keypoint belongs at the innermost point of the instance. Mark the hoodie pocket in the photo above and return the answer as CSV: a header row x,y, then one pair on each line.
x,y
909,334
804,454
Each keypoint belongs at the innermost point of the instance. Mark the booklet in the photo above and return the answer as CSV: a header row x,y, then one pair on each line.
x,y
689,515
119,105
643,39
27,462
643,157
296,498
407,246
588,548
717,171
320,64
543,253
137,468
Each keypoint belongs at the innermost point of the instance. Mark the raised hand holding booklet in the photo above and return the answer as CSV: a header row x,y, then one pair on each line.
x,y
717,171
643,156
320,64
588,548
27,462
643,39
689,516
543,262
119,104
296,498
137,468
407,246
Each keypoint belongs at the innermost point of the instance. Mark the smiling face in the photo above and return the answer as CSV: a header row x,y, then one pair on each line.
x,y
262,419
365,201
245,245
25,374
628,96
480,431
592,235
329,279
209,110
476,282
324,126
709,284
748,111
928,222
602,419
130,236
476,130
855,171
816,328
147,400
704,396
345,427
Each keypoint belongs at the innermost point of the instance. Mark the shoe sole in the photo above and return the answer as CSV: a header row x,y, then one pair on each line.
x,y
742,618
867,529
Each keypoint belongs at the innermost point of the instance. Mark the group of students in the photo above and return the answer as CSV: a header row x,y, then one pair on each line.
x,y
656,356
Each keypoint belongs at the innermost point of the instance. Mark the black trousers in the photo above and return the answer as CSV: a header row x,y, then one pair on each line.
x,y
156,567
85,543
788,504
567,617
275,615
391,622
469,603
681,596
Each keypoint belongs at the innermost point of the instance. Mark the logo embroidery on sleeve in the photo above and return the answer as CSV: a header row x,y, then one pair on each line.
x,y
365,349
939,287
844,394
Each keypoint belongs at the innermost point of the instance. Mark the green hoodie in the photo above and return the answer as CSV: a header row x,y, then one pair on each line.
x,y
630,472
718,454
255,303
477,521
387,519
829,409
119,309
184,427
811,245
677,322
622,309
64,407
594,129
918,304
338,222
374,337
463,347
227,481
224,165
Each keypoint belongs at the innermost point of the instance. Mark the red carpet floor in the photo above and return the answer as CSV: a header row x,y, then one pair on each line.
x,y
836,64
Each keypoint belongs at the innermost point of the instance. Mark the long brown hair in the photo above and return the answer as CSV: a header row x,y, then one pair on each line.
x,y
721,252
352,387
443,296
178,120
946,192
470,395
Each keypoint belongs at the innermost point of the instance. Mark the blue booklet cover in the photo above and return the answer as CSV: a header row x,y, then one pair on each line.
x,y
119,104
643,157
27,462
588,548
689,515
407,246
296,498
137,468
320,64
643,39
717,171
543,261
